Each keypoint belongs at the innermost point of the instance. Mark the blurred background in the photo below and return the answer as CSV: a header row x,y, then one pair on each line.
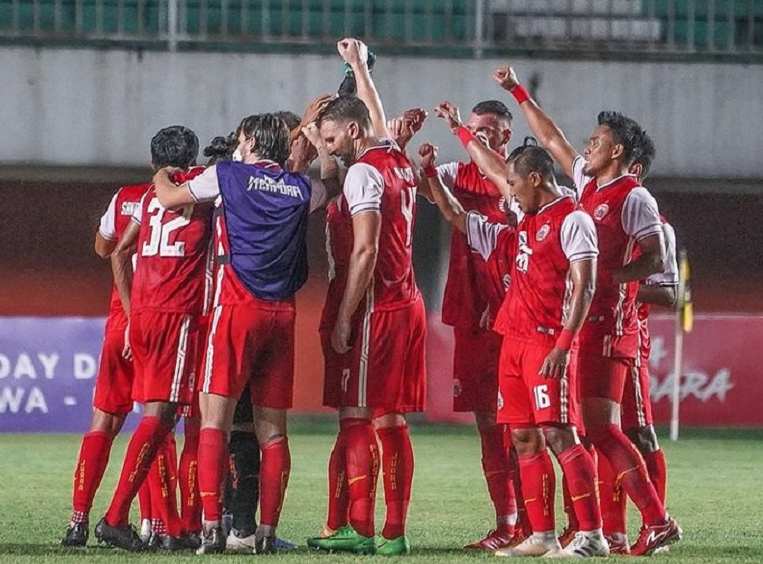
x,y
86,83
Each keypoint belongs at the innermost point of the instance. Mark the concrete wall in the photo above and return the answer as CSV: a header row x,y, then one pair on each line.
x,y
90,107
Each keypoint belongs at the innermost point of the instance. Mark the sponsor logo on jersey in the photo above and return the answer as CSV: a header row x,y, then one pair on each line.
x,y
128,208
543,232
265,184
600,211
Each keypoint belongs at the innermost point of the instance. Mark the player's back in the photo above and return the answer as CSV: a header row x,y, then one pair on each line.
x,y
173,246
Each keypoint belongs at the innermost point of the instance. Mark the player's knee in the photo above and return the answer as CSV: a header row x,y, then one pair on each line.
x,y
391,419
559,438
527,440
644,438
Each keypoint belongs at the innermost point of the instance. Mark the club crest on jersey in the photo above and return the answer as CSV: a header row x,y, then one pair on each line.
x,y
600,211
543,232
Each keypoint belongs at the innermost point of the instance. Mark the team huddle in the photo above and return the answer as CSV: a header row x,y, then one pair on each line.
x,y
548,292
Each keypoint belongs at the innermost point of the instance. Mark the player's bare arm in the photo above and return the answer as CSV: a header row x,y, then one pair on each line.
x,y
170,195
654,294
583,274
103,247
446,202
651,261
403,128
314,108
366,227
489,162
542,126
329,167
355,53
121,267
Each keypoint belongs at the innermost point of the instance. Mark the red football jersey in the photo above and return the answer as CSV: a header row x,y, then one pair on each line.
x,y
113,224
380,180
463,302
171,274
547,242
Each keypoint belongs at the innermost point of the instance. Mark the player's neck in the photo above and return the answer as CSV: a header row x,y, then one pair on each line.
x,y
615,170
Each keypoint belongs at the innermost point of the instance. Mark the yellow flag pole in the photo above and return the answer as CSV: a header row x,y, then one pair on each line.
x,y
683,323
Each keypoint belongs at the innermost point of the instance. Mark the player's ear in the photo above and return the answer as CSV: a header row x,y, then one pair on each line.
x,y
636,169
353,128
617,151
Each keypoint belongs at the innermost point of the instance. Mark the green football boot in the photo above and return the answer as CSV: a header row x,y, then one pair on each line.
x,y
395,547
346,539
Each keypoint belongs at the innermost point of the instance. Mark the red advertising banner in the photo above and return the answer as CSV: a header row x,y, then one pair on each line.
x,y
721,375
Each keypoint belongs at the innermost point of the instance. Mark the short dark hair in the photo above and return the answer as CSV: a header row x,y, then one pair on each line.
x,y
175,146
346,108
292,120
221,148
529,157
271,136
626,131
495,107
644,152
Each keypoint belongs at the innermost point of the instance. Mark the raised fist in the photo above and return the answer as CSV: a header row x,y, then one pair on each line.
x,y
506,77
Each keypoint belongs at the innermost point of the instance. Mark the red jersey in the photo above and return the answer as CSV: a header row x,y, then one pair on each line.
x,y
113,224
380,180
173,255
624,213
547,242
463,303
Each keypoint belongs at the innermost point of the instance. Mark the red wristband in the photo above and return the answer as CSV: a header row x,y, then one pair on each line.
x,y
565,339
464,135
429,171
520,93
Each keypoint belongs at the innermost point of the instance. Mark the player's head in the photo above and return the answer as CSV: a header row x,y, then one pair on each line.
x,y
611,144
643,155
490,121
220,148
343,124
263,136
530,172
175,146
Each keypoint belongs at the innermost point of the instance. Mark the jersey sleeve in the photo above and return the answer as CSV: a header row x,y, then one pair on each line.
x,y
481,234
108,225
578,237
641,218
205,188
669,276
363,188
579,178
447,173
137,213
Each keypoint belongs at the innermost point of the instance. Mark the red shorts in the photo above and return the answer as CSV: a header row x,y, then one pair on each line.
x,y
164,348
385,369
527,398
251,343
475,369
636,410
113,385
604,362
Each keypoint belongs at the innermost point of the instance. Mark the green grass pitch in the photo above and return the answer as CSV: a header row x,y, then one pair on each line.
x,y
714,491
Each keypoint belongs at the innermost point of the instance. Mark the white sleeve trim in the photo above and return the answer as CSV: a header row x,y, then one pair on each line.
x,y
640,216
669,276
447,173
108,225
363,188
204,188
578,237
481,234
578,177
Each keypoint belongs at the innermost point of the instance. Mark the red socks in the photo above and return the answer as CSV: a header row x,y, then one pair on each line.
x,y
580,479
162,480
91,465
630,469
397,474
362,464
658,472
339,500
141,451
213,468
538,488
144,501
275,469
190,505
613,500
496,466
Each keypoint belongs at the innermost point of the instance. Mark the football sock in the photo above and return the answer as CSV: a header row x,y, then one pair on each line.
x,y
522,521
140,454
339,499
658,472
362,463
188,479
613,500
144,501
91,465
163,488
569,508
275,469
496,469
213,468
243,494
630,471
538,486
397,475
580,477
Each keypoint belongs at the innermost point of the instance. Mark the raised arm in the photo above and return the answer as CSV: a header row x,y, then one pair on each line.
x,y
355,53
329,174
542,126
446,202
403,128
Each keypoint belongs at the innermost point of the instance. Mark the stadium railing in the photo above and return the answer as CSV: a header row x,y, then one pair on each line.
x,y
667,29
